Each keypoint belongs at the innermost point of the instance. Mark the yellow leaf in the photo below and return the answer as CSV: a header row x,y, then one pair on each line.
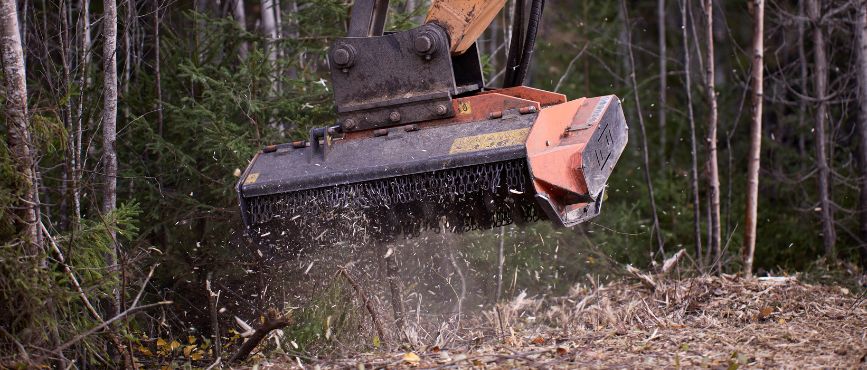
x,y
188,350
145,351
174,345
161,342
191,339
411,358
196,356
765,312
376,341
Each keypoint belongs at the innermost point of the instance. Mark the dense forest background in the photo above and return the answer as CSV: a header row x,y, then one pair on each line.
x,y
138,117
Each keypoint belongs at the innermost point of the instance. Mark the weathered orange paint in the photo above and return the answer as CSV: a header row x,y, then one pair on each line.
x,y
555,149
545,98
464,20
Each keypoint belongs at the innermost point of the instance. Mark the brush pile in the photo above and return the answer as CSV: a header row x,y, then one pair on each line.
x,y
707,321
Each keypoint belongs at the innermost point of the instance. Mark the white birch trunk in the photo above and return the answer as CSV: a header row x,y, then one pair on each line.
x,y
18,132
84,58
109,126
240,16
269,28
713,160
753,159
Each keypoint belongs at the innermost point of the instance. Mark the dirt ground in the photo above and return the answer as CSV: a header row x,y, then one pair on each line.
x,y
715,322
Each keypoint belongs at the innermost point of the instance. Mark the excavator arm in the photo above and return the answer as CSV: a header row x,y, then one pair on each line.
x,y
463,20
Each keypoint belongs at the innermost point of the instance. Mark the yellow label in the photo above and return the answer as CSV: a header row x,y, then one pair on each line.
x,y
489,141
464,107
251,179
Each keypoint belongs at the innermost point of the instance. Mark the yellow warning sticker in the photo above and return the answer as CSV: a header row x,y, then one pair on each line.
x,y
464,107
251,179
489,141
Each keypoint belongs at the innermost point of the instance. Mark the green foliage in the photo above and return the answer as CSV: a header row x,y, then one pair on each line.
x,y
48,309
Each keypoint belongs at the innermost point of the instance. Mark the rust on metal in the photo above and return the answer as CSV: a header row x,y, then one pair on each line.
x,y
544,98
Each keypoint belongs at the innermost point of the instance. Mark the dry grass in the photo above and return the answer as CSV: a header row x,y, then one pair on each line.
x,y
708,321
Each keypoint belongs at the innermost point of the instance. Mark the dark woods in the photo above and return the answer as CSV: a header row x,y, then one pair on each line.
x,y
127,122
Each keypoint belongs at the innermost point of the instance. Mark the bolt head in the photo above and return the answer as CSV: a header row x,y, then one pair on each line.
x,y
423,44
441,109
394,116
349,124
341,56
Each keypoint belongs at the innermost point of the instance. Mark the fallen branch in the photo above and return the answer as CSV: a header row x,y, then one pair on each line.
x,y
642,277
273,321
670,262
651,281
367,303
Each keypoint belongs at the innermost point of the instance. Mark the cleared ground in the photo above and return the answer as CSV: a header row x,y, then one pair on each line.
x,y
724,322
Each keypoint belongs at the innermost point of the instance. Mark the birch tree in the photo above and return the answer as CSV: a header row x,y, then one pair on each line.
x,y
269,29
820,85
696,203
861,34
84,58
753,159
109,118
240,16
713,160
18,131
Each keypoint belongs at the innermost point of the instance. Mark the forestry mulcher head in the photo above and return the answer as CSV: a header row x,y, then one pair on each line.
x,y
421,143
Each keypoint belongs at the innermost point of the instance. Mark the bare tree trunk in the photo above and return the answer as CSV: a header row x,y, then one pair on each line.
x,y
820,84
18,132
395,285
157,73
861,34
644,150
269,29
696,203
128,29
753,159
804,72
66,114
501,259
713,160
109,130
663,78
240,16
83,81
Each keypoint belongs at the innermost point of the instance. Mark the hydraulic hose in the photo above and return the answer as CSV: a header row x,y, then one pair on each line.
x,y
513,60
529,42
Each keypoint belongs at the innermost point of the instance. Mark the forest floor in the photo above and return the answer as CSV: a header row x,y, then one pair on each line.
x,y
717,322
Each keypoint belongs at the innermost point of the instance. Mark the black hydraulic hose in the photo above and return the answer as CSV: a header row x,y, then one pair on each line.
x,y
513,60
529,42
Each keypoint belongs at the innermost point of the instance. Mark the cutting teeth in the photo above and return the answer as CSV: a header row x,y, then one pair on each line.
x,y
466,198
